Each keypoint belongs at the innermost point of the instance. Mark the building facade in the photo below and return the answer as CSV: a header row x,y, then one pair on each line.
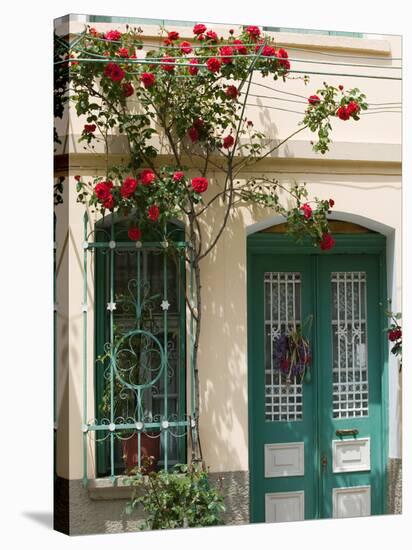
x,y
327,448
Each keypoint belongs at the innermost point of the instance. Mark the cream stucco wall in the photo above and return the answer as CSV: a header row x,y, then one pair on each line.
x,y
362,173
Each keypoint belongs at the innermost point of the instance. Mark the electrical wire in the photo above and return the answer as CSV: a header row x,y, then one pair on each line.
x,y
306,97
145,61
346,74
196,46
303,113
371,106
278,98
240,56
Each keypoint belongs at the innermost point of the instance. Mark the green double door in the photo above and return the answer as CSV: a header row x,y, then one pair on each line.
x,y
317,446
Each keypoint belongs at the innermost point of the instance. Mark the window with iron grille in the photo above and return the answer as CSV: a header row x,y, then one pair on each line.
x,y
140,358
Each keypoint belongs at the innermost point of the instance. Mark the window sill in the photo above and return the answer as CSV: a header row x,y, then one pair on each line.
x,y
104,489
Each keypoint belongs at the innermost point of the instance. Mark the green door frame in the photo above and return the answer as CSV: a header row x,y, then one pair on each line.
x,y
283,244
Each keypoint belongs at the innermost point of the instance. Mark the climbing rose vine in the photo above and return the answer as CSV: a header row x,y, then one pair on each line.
x,y
394,332
185,101
193,91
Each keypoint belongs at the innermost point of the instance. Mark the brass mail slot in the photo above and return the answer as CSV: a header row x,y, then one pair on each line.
x,y
353,431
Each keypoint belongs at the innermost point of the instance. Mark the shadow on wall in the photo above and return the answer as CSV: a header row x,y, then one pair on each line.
x,y
223,345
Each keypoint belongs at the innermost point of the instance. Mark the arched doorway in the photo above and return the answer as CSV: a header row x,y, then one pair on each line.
x,y
318,434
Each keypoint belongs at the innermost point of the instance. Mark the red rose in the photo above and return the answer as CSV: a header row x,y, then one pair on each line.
x,y
240,47
395,334
185,47
327,242
168,66
89,128
285,63
198,123
228,141
314,99
173,35
112,35
253,32
167,42
200,184
331,203
307,210
201,37
268,51
213,65
211,35
199,28
340,87
193,133
77,178
177,176
352,108
114,72
283,58
249,123
147,176
148,79
102,190
109,203
153,212
227,54
232,92
128,187
193,70
123,52
71,63
343,113
128,89
134,233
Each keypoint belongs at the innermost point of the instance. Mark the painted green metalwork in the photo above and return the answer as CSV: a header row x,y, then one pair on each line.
x,y
85,352
133,362
55,381
355,253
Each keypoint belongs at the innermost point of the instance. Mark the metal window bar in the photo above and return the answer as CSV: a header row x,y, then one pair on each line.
x,y
170,424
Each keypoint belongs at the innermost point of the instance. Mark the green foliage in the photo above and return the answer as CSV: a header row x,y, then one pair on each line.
x,y
190,113
318,115
58,190
60,81
181,498
394,333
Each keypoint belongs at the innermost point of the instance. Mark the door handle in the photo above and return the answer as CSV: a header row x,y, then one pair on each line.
x,y
352,431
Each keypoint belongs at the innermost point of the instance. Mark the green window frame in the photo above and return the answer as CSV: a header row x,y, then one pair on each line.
x,y
151,266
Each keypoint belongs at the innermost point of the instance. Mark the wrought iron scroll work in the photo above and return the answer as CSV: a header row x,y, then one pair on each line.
x,y
139,357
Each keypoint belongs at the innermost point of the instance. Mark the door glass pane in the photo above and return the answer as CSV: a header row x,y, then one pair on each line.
x,y
349,344
283,400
